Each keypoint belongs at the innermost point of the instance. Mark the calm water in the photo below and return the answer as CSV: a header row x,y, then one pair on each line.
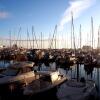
x,y
90,73
4,63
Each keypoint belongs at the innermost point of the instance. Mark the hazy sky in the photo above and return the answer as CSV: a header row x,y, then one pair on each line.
x,y
45,14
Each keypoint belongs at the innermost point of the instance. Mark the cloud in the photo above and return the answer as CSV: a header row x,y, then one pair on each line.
x,y
4,14
77,7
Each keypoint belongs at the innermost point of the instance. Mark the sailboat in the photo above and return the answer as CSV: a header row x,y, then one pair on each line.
x,y
77,89
89,59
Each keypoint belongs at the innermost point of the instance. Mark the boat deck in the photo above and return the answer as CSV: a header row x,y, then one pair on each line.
x,y
72,90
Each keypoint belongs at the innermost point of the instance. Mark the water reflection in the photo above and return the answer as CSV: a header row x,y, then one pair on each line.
x,y
84,71
88,72
4,63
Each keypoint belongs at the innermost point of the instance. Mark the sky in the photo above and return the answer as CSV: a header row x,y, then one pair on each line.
x,y
45,14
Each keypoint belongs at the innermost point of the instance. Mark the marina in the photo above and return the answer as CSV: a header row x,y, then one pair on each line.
x,y
49,50
71,67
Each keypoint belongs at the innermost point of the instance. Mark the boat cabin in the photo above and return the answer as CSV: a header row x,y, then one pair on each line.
x,y
18,68
50,76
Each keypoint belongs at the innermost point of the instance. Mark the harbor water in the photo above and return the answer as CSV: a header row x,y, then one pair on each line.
x,y
91,73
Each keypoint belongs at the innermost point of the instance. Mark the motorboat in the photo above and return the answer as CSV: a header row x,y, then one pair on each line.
x,y
45,86
16,76
77,90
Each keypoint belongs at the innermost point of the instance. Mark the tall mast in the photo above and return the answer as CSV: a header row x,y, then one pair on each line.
x,y
33,36
72,33
18,36
80,36
27,38
67,42
55,36
41,40
71,27
92,31
10,38
71,30
98,46
14,40
20,39
49,40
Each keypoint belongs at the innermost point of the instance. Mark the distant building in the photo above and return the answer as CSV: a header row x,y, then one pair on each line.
x,y
86,48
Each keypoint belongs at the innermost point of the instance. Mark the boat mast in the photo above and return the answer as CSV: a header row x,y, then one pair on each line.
x,y
71,28
41,40
20,39
10,38
98,46
92,31
15,38
18,36
80,36
27,38
74,46
33,36
72,32
55,36
49,40
55,30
